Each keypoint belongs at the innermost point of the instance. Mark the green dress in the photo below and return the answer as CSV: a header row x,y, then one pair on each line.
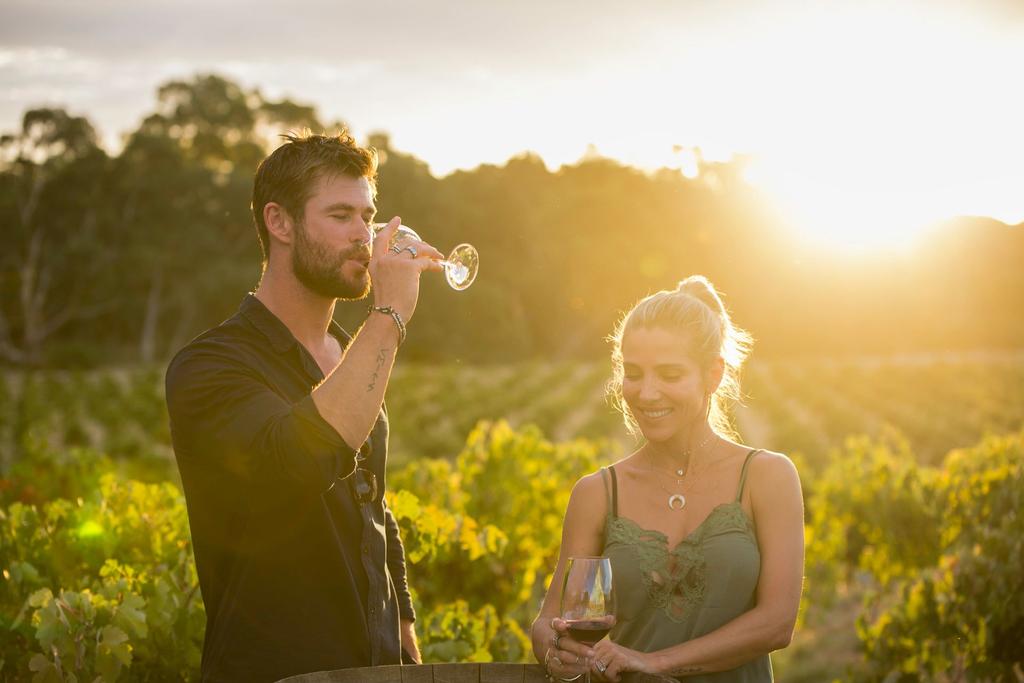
x,y
668,596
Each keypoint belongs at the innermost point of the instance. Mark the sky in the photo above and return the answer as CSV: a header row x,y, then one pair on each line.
x,y
848,111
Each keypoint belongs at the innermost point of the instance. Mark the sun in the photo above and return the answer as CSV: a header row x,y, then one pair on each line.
x,y
850,211
865,124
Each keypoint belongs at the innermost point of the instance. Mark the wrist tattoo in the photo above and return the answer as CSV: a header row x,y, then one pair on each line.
x,y
686,670
381,357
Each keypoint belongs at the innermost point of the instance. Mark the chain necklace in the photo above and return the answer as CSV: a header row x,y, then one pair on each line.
x,y
677,501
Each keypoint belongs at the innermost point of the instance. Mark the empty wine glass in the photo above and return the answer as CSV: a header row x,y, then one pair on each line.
x,y
460,267
588,599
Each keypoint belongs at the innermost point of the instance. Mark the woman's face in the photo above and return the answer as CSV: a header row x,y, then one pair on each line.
x,y
662,384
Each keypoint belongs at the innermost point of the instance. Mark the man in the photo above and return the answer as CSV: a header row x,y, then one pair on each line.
x,y
280,434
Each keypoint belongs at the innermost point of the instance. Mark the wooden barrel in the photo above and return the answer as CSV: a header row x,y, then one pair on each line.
x,y
497,672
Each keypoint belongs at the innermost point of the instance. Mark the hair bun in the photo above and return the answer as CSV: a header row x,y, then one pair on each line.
x,y
700,288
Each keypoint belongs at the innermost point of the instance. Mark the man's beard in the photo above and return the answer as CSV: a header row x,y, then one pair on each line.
x,y
321,271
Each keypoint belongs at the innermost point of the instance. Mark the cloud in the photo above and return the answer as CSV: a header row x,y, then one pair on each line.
x,y
116,93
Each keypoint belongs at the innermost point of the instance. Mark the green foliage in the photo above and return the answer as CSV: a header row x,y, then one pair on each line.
x,y
434,407
936,405
57,420
433,534
94,586
937,402
962,617
98,578
874,511
86,634
450,632
488,541
521,482
99,581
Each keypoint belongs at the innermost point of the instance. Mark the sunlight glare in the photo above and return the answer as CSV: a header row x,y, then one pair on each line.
x,y
90,529
867,144
845,212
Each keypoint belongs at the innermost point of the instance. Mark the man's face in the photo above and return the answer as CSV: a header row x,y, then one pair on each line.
x,y
331,249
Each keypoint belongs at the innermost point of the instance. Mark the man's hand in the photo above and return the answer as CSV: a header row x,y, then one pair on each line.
x,y
409,644
395,277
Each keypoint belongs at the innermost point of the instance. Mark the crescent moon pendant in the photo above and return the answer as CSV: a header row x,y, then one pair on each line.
x,y
675,499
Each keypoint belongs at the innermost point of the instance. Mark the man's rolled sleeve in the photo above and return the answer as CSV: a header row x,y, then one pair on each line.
x,y
260,437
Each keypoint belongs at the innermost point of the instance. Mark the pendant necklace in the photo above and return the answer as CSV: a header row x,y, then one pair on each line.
x,y
677,501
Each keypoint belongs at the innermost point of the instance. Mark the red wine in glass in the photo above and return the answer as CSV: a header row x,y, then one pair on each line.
x,y
588,599
589,631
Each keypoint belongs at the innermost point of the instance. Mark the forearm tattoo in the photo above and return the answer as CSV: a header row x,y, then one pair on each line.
x,y
381,359
686,670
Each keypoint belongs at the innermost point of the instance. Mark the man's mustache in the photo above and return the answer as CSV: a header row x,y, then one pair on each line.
x,y
357,253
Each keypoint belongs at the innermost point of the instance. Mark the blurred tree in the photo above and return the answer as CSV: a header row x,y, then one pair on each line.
x,y
126,258
161,201
52,177
183,184
222,125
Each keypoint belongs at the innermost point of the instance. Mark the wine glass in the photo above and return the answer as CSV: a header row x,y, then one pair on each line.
x,y
460,267
588,600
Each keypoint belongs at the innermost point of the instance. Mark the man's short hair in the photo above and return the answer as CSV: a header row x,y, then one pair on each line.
x,y
289,175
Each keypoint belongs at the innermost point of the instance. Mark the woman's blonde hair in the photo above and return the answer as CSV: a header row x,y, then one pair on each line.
x,y
695,310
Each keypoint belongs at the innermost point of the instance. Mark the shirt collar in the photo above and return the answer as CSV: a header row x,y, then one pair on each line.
x,y
277,333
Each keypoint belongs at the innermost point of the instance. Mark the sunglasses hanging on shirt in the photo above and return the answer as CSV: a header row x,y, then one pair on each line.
x,y
363,481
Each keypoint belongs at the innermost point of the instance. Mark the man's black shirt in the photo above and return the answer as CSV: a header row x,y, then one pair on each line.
x,y
295,574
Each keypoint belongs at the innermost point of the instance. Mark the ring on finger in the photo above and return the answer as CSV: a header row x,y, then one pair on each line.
x,y
556,640
409,248
601,666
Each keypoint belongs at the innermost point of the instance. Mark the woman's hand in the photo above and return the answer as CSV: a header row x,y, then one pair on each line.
x,y
566,659
611,660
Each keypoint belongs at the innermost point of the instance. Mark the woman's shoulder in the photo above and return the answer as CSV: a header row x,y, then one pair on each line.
x,y
588,502
764,460
591,485
770,473
598,484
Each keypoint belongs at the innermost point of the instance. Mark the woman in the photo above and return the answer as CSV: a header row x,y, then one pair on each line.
x,y
705,534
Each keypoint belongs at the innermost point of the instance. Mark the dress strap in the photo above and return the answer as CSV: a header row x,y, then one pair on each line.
x,y
613,492
607,486
743,473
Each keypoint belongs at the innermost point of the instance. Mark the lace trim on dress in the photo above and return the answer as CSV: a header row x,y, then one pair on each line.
x,y
676,579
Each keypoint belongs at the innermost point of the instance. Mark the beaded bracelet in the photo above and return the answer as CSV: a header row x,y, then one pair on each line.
x,y
387,310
